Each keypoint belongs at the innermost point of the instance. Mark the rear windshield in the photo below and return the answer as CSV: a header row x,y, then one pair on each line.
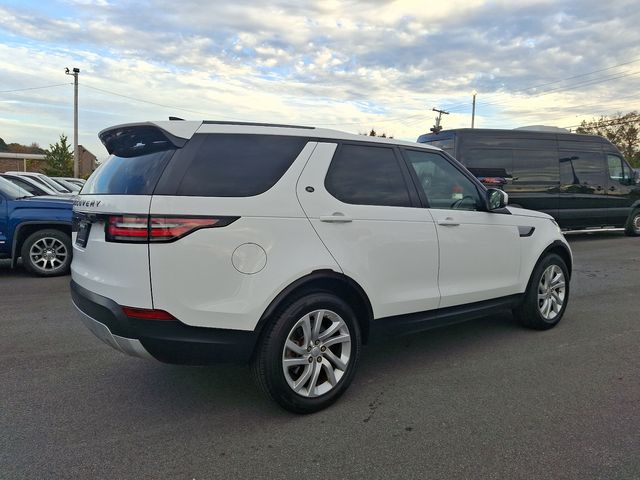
x,y
238,165
134,175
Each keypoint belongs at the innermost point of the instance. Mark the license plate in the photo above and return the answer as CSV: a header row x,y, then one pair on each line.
x,y
84,228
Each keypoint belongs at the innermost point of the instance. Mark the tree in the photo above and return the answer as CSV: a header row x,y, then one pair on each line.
x,y
3,146
373,133
623,130
59,160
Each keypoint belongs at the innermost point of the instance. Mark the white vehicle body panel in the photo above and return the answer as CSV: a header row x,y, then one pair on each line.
x,y
119,271
391,252
194,278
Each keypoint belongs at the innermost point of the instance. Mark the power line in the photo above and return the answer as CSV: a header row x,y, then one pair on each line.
x,y
34,88
621,121
173,107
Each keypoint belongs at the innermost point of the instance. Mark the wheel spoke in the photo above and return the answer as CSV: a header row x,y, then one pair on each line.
x,y
294,347
314,378
335,360
317,324
337,339
328,369
335,326
306,329
304,378
294,362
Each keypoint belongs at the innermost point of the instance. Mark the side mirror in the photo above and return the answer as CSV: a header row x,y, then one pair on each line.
x,y
496,199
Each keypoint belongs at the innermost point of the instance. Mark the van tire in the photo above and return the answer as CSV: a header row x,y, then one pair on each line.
x,y
632,228
530,313
268,364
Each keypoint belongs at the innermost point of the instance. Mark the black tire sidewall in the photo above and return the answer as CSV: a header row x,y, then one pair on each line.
x,y
33,238
271,353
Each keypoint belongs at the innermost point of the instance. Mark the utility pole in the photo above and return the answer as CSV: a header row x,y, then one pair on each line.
x,y
473,110
76,153
437,127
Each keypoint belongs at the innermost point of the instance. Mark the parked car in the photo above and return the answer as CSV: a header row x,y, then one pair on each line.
x,y
290,247
38,229
44,179
31,185
72,187
77,181
582,181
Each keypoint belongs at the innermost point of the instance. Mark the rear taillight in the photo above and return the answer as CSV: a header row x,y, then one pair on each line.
x,y
157,228
169,228
147,314
127,228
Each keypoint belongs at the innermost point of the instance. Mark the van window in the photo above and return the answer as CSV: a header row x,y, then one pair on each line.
x,y
239,165
582,168
618,169
367,175
486,162
535,167
445,144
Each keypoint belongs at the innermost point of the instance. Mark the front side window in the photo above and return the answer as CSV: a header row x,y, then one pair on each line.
x,y
617,169
367,175
443,184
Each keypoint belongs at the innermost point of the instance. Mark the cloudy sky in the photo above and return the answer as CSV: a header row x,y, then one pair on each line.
x,y
351,65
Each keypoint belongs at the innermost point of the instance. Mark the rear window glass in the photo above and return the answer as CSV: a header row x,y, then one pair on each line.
x,y
239,165
135,175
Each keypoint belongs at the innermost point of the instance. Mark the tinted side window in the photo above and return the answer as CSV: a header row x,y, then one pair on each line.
x,y
582,168
617,169
239,165
486,162
535,167
445,144
367,175
443,184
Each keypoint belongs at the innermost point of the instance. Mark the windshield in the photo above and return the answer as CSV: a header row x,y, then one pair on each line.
x,y
11,190
53,184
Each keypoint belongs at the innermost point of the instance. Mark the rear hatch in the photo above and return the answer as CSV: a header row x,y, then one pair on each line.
x,y
111,215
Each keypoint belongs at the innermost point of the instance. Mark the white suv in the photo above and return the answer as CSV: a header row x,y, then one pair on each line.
x,y
289,247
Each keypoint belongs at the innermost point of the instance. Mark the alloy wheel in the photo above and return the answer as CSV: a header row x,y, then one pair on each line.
x,y
316,353
48,254
551,292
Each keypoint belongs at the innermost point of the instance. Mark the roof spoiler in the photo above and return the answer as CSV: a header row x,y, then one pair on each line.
x,y
132,140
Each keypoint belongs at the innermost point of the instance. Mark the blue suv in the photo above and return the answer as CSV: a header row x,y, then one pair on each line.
x,y
38,229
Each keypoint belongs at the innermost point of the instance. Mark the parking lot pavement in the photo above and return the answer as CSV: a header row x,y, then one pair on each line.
x,y
484,399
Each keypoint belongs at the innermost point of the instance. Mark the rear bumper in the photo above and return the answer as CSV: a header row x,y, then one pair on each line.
x,y
166,341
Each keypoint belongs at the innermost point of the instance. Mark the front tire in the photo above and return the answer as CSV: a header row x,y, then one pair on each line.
x,y
47,253
547,295
308,355
632,228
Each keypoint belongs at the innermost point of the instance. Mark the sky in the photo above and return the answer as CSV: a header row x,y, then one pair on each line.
x,y
350,65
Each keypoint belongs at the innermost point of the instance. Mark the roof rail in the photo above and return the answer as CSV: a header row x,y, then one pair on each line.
x,y
254,124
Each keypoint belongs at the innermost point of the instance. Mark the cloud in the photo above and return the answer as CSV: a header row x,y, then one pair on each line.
x,y
355,64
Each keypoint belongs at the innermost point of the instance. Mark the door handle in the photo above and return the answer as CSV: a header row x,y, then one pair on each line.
x,y
448,222
335,217
612,188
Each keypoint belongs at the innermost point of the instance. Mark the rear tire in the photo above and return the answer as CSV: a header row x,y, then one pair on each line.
x,y
547,294
303,365
47,253
632,228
